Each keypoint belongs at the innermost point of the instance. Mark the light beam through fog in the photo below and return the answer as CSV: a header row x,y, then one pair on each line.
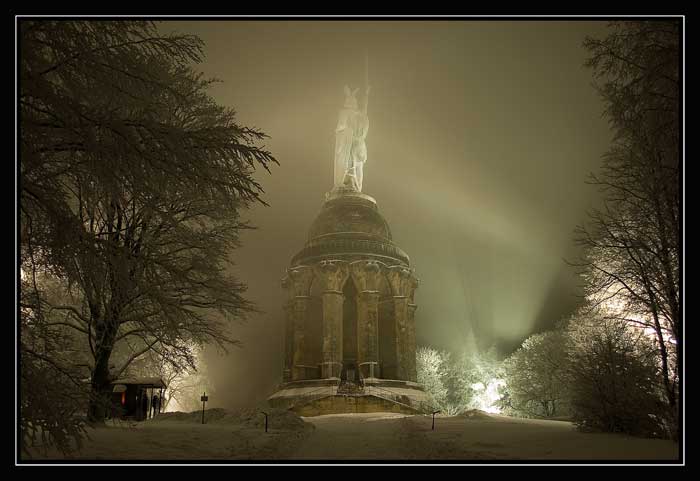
x,y
482,134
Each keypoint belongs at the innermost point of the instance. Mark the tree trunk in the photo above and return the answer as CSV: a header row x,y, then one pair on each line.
x,y
100,394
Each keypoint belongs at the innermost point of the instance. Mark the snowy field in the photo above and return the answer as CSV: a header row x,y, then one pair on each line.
x,y
375,436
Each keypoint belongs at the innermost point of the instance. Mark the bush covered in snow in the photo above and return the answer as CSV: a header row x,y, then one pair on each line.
x,y
536,377
614,378
603,374
458,384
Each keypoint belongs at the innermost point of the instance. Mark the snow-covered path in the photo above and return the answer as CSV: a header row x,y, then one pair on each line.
x,y
353,437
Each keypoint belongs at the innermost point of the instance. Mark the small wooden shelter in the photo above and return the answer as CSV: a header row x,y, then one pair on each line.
x,y
132,397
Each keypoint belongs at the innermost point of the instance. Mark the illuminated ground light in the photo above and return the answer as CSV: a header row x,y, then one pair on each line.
x,y
487,396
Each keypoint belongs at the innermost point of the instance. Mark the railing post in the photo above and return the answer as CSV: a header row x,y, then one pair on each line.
x,y
434,413
265,419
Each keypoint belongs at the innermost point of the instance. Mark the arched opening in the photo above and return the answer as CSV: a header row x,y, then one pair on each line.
x,y
349,371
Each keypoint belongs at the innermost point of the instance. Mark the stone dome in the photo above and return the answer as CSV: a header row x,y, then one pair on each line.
x,y
350,214
350,226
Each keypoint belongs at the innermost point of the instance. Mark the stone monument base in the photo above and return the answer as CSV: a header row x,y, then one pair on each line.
x,y
331,396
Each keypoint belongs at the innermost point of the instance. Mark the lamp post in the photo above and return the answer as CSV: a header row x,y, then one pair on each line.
x,y
204,399
434,413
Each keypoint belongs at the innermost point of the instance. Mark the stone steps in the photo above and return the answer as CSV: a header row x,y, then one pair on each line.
x,y
350,388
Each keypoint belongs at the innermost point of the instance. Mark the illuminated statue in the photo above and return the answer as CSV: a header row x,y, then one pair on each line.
x,y
350,148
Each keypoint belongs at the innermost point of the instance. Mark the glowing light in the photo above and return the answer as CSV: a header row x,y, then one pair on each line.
x,y
486,396
618,308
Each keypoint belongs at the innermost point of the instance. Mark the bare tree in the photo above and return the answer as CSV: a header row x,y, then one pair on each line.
x,y
53,391
631,268
132,178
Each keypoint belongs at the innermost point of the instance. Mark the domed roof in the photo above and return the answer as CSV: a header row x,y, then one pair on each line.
x,y
350,214
350,226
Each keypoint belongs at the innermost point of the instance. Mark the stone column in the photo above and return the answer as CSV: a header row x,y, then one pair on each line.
x,y
400,280
288,338
333,275
299,280
367,276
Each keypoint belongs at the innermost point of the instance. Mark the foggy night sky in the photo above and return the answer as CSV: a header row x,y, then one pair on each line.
x,y
481,136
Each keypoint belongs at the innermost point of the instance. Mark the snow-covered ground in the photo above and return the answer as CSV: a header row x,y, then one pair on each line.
x,y
375,436
480,437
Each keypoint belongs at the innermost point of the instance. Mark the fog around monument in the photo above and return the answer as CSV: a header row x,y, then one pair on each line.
x,y
482,136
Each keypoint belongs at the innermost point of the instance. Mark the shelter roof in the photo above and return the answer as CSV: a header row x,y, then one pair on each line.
x,y
141,381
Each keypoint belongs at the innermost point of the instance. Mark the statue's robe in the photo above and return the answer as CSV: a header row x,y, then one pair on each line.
x,y
350,149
